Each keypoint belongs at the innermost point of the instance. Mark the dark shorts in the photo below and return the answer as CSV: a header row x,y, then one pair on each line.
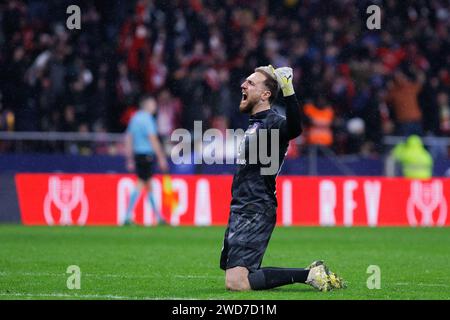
x,y
144,166
246,239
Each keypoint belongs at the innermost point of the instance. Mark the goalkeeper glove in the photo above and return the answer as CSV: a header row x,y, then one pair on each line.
x,y
284,77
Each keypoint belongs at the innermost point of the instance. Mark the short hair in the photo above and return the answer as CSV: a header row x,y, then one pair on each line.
x,y
271,83
145,97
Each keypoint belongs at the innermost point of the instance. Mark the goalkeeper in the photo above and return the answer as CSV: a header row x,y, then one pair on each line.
x,y
253,205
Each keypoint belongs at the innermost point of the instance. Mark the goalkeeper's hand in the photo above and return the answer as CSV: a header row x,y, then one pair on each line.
x,y
284,77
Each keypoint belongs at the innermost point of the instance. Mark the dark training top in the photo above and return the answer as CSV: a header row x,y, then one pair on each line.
x,y
252,191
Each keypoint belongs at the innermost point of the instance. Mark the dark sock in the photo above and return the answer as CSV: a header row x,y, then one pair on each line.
x,y
268,278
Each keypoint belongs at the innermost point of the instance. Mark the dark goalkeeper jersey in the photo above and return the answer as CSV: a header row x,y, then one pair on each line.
x,y
253,191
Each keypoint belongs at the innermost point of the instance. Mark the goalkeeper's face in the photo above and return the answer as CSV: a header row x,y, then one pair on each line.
x,y
254,91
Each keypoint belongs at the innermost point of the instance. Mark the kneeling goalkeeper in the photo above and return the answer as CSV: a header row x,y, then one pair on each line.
x,y
253,205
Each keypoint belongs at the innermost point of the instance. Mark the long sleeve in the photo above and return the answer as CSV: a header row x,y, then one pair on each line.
x,y
292,127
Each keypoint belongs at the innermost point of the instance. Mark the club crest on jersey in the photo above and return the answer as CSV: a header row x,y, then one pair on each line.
x,y
252,129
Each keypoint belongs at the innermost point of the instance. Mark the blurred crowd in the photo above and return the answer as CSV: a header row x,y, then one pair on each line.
x,y
194,54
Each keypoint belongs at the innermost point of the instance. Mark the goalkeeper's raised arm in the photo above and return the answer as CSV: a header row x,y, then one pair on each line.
x,y
292,127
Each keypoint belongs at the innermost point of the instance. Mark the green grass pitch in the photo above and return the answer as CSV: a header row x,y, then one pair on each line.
x,y
182,262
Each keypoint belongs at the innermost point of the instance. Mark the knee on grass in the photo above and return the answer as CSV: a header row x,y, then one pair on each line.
x,y
236,279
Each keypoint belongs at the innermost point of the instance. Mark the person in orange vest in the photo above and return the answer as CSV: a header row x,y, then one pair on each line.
x,y
320,120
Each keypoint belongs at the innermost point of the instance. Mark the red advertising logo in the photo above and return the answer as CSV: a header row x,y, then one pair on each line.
x,y
65,202
427,198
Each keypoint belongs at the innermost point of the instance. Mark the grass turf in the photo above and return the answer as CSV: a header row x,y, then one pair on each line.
x,y
182,262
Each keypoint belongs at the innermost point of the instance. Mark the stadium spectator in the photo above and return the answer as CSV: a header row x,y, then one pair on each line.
x,y
320,120
444,112
402,96
416,162
169,110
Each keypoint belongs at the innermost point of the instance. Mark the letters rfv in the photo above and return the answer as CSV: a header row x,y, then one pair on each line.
x,y
328,201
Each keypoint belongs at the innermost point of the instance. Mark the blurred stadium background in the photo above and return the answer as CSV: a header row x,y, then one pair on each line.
x,y
192,55
66,97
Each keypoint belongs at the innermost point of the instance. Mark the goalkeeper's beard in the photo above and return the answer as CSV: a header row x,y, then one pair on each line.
x,y
246,106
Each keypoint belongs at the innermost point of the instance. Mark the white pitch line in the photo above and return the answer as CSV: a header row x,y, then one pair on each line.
x,y
197,276
433,285
422,284
63,295
46,274
88,296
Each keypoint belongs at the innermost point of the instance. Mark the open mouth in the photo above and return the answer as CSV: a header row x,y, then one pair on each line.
x,y
244,96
